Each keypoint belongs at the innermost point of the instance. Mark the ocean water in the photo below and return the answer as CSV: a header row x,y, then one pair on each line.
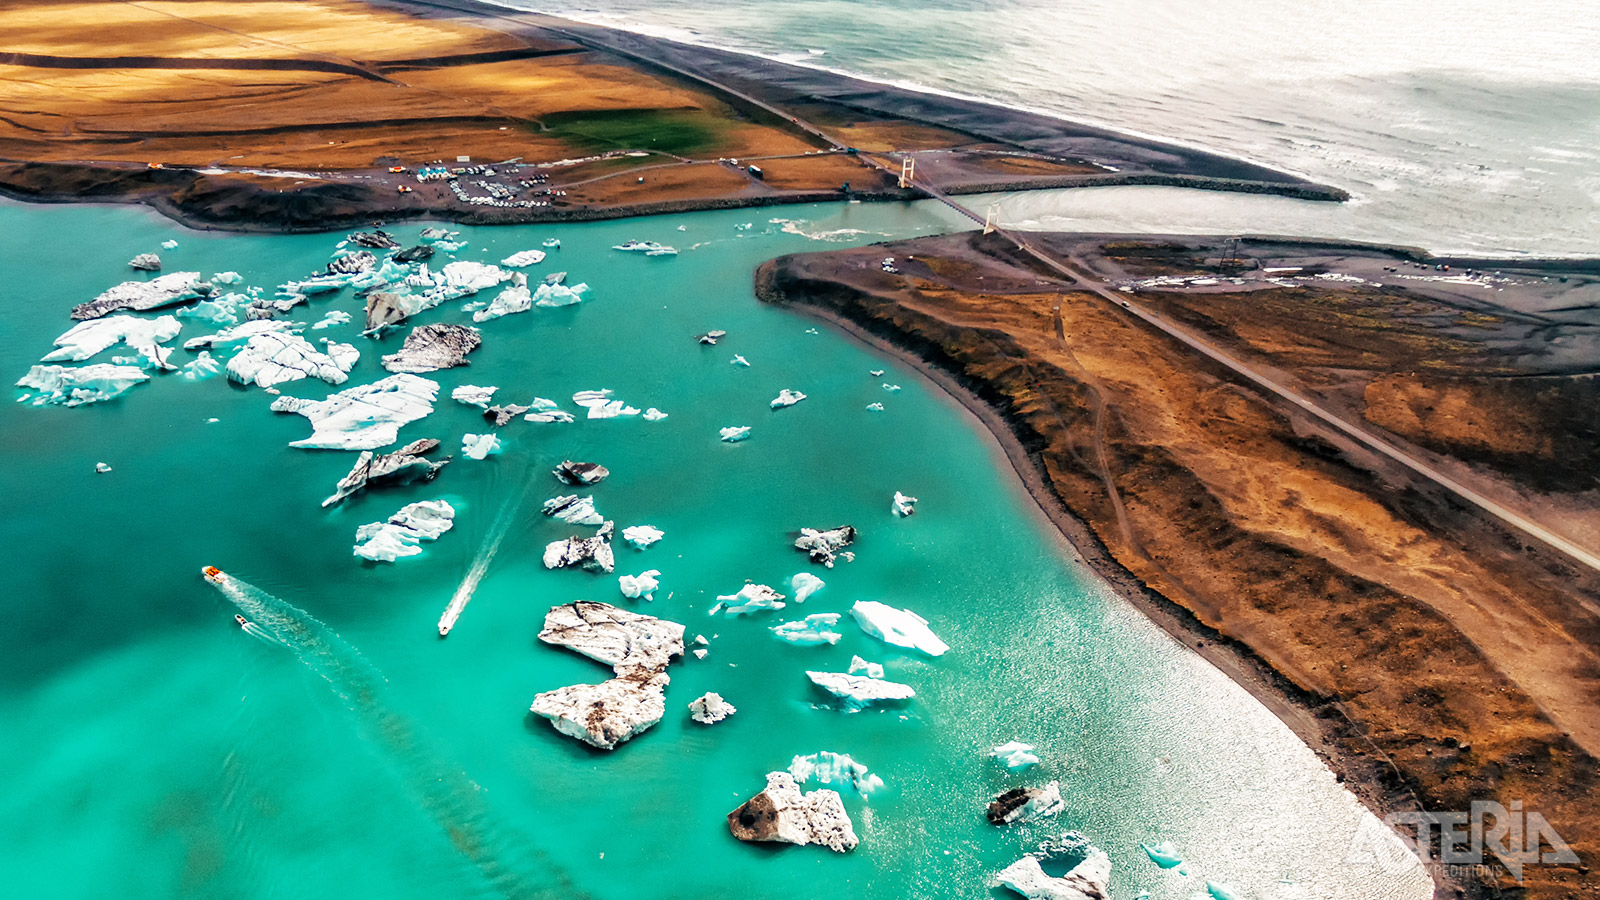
x,y
1470,126
155,750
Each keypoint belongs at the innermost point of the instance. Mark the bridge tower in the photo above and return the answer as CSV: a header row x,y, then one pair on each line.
x,y
908,171
991,219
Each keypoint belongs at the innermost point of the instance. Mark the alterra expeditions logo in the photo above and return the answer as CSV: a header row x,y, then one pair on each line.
x,y
1461,841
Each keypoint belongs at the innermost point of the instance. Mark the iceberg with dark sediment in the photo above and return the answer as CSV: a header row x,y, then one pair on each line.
x,y
590,553
353,263
710,708
1015,755
573,510
585,473
404,466
641,586
472,395
902,505
377,239
858,691
145,262
505,412
814,630
824,546
404,531
642,536
900,627
277,357
479,446
1090,879
77,385
365,417
137,296
553,294
787,397
834,769
1024,804
638,648
751,598
429,348
780,813
523,258
804,585
144,336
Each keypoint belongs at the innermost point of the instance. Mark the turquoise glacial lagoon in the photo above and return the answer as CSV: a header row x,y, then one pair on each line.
x,y
155,750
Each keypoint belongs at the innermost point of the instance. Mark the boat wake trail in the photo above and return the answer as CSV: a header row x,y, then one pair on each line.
x,y
454,801
480,564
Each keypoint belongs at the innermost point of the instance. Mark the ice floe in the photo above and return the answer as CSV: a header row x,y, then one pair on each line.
x,y
590,553
201,367
642,536
365,417
902,505
638,648
573,510
710,708
377,239
137,296
900,627
505,412
429,348
240,334
601,406
891,388
1014,755
787,397
710,338
751,598
145,262
542,410
569,472
169,245
404,466
218,311
101,468
1024,804
1163,854
332,318
740,361
858,691
1088,880
553,243
735,433
145,336
523,258
553,294
639,586
813,630
514,299
77,385
654,415
473,395
278,357
830,769
861,666
825,546
404,531
479,446
781,813
227,278
805,584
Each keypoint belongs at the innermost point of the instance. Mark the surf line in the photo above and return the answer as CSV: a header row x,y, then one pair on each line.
x,y
454,801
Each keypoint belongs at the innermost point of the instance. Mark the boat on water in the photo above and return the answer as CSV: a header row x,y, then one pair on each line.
x,y
648,248
213,574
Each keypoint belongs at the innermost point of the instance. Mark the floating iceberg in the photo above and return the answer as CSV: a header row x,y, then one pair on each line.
x,y
376,239
805,584
201,367
573,510
569,472
859,691
545,411
787,397
331,318
418,253
872,669
551,295
145,262
138,296
642,585
874,407
834,769
1163,854
1025,804
500,415
824,546
400,536
479,446
736,433
813,630
902,505
227,278
471,277
219,311
101,468
514,299
782,814
600,406
740,361
75,386
648,248
899,627
710,338
638,649
240,334
1015,755
429,348
1088,880
750,599
143,335
524,258
642,536
169,245
551,242
438,234
400,467
654,415
277,357
353,263
472,395
590,553
709,709
891,388
365,417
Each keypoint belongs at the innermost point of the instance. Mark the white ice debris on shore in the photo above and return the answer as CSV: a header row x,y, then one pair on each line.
x,y
805,584
1088,880
710,708
144,336
871,669
830,769
479,446
751,598
472,395
523,258
902,505
365,417
642,536
601,406
77,385
787,397
643,585
638,649
278,357
401,534
858,691
573,510
553,294
1024,804
590,553
1014,755
201,367
138,296
511,300
814,630
735,433
900,627
781,813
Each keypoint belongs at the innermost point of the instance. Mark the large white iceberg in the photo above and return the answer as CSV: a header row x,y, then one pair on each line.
x,y
145,336
77,385
811,631
642,536
638,649
750,599
472,277
858,691
523,258
831,769
365,417
805,584
240,334
401,534
639,586
899,627
277,357
1088,880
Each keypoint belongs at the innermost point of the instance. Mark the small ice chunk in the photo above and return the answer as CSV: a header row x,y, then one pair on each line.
x,y
75,386
642,536
832,769
735,433
472,395
648,248
479,446
875,407
642,585
552,243
574,510
400,536
102,468
145,262
711,337
331,318
903,506
169,245
710,708
825,546
859,691
227,278
1163,854
739,361
523,258
891,388
201,367
219,311
546,411
859,665
805,584
876,373
555,294
751,598
514,299
1014,755
812,631
700,653
701,640
365,417
899,627
787,397
654,415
